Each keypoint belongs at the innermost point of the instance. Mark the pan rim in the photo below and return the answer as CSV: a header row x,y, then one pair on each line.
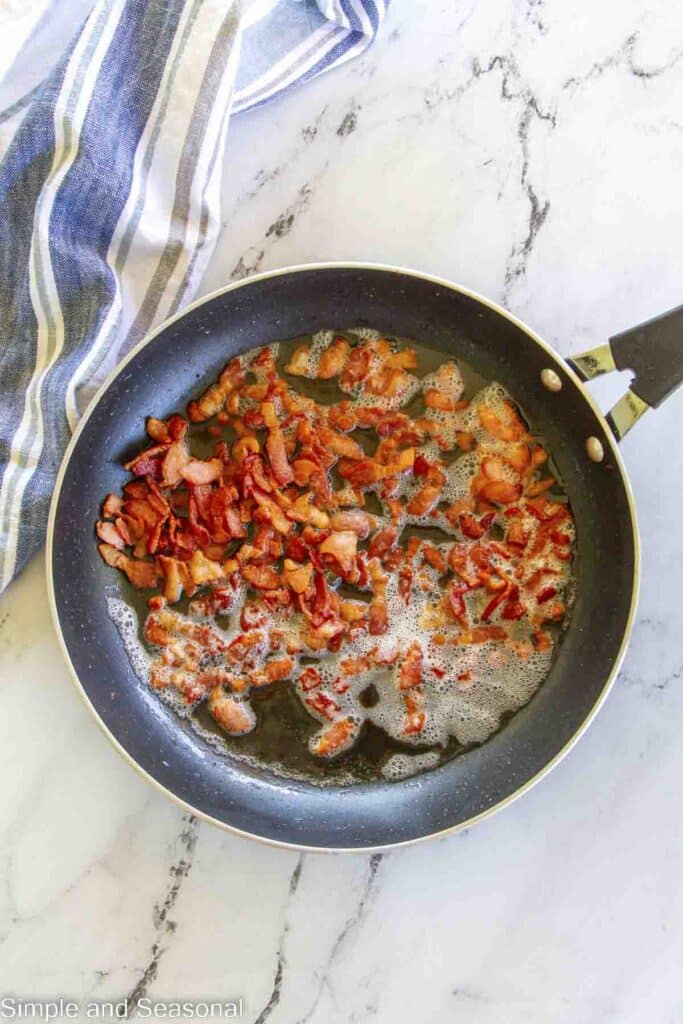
x,y
614,452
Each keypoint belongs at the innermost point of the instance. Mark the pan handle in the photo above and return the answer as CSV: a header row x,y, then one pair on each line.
x,y
653,351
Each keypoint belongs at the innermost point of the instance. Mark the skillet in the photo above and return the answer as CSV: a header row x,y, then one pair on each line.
x,y
186,353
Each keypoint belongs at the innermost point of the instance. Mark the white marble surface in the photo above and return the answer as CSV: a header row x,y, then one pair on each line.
x,y
533,151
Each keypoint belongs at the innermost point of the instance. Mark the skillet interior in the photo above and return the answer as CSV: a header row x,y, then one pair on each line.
x,y
175,365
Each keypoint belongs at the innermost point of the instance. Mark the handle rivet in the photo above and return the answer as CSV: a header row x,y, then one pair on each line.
x,y
551,380
595,450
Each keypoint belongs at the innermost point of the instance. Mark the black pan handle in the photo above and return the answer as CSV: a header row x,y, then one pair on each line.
x,y
653,351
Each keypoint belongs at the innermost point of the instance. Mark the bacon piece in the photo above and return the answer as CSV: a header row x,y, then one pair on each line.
x,y
298,363
455,603
545,594
424,501
204,570
435,399
480,635
234,716
355,519
340,547
273,671
108,534
261,577
357,367
271,511
112,506
502,492
434,557
540,486
382,541
309,678
141,574
176,577
323,704
175,459
297,576
334,739
277,455
509,428
208,404
465,440
416,715
410,670
340,444
333,359
198,472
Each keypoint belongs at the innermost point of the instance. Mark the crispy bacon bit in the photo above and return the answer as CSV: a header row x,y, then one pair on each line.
x,y
480,635
273,672
111,506
234,717
334,739
310,678
507,428
434,557
260,577
333,359
545,594
416,716
298,364
382,542
355,519
425,499
323,704
455,603
214,397
501,492
410,671
298,576
197,472
141,574
109,534
340,548
435,399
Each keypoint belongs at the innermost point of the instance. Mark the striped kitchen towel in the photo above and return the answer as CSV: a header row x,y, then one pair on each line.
x,y
110,190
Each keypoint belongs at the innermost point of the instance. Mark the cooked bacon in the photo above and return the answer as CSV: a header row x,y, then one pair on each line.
x,y
298,364
277,455
506,428
234,717
416,715
340,548
109,534
141,574
260,577
273,672
435,399
334,739
112,506
175,459
425,500
410,669
266,512
355,520
298,576
309,678
382,542
323,704
194,471
333,359
501,492
214,397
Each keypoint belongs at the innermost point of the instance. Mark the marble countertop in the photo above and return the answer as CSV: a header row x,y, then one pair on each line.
x,y
532,150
